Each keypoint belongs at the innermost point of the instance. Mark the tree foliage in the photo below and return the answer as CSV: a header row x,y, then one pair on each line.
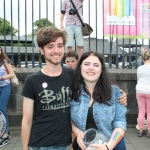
x,y
8,27
42,23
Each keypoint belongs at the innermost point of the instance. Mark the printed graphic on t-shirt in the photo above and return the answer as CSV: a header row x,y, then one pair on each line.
x,y
62,98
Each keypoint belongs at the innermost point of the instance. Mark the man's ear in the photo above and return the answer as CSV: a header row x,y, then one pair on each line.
x,y
41,50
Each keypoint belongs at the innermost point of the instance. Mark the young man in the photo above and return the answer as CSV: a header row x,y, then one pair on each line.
x,y
71,59
46,94
46,97
72,24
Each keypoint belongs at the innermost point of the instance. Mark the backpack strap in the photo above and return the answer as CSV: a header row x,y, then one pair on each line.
x,y
6,68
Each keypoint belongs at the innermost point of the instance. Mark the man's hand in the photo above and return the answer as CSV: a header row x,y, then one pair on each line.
x,y
123,98
61,21
62,27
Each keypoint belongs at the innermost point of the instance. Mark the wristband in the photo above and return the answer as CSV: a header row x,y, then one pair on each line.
x,y
2,78
107,147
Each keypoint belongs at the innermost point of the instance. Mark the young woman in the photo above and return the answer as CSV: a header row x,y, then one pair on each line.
x,y
143,93
95,103
5,90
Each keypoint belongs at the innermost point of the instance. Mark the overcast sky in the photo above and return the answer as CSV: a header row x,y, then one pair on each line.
x,y
53,13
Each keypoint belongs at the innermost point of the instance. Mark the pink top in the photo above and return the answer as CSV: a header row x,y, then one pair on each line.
x,y
72,19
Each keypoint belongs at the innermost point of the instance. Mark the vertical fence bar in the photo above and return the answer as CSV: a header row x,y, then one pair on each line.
x,y
33,54
12,54
54,12
136,54
40,56
103,24
130,64
111,41
26,54
117,53
89,23
46,12
19,55
123,54
96,25
123,57
149,46
136,40
110,54
4,28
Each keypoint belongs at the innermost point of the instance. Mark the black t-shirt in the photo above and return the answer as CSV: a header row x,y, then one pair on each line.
x,y
51,119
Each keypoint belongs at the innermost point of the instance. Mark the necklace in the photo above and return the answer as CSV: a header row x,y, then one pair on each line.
x,y
59,93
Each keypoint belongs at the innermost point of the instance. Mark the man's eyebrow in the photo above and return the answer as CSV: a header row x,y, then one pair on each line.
x,y
53,44
60,43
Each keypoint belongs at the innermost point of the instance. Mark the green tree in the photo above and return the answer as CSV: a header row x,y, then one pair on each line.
x,y
42,23
8,27
28,35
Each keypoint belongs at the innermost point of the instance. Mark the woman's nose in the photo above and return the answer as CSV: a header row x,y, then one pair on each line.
x,y
91,66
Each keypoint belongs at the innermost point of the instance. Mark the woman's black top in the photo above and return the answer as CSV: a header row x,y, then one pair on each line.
x,y
90,123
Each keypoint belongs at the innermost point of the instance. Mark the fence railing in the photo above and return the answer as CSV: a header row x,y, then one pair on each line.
x,y
19,20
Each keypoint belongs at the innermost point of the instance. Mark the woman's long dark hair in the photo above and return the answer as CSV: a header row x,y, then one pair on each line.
x,y
102,89
3,57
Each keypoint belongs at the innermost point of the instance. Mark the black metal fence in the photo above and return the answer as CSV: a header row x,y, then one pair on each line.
x,y
19,20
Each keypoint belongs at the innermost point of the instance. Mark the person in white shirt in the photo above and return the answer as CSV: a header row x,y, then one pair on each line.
x,y
143,93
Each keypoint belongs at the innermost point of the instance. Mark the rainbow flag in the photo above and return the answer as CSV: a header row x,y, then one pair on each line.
x,y
117,137
119,8
127,6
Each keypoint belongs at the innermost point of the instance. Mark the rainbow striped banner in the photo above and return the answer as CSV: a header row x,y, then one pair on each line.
x,y
127,18
122,8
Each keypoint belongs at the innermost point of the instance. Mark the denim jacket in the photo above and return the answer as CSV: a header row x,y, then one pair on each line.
x,y
107,118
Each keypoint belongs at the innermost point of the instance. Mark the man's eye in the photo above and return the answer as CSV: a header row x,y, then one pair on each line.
x,y
49,47
60,46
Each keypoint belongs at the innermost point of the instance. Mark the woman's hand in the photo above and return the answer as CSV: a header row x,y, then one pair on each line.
x,y
98,147
80,138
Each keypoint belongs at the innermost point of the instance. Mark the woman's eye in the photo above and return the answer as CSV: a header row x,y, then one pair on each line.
x,y
96,65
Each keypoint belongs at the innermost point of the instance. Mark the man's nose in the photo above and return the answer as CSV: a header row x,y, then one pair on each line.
x,y
56,49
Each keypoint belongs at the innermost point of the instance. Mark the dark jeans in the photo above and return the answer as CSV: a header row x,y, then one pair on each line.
x,y
51,148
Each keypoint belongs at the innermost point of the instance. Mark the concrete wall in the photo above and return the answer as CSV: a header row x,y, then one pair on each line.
x,y
126,79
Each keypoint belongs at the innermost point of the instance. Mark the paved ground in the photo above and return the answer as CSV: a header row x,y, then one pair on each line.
x,y
133,142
